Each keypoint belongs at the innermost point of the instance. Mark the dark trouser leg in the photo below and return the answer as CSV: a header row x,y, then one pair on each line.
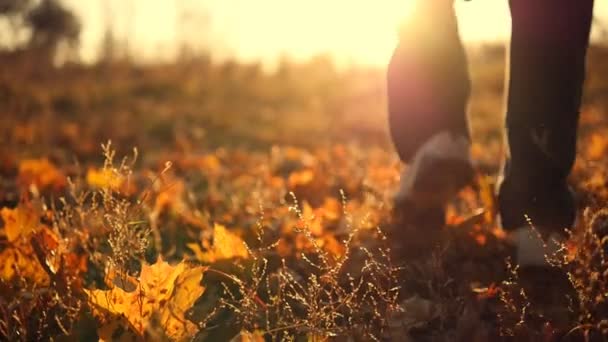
x,y
428,84
428,88
547,66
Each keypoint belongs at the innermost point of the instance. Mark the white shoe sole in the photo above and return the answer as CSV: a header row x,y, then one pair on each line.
x,y
440,168
532,249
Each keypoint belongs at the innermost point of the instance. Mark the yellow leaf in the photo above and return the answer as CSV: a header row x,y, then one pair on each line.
x,y
197,250
487,195
311,220
226,245
19,258
210,163
170,198
333,246
34,251
292,153
596,146
104,179
163,295
41,173
19,222
332,209
246,336
188,290
298,178
21,262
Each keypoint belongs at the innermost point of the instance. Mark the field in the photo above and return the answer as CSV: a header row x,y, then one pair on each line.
x,y
211,201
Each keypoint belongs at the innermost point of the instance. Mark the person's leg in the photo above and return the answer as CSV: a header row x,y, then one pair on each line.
x,y
427,78
428,90
547,66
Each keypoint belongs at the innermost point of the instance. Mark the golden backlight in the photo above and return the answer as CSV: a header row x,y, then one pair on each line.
x,y
360,32
352,31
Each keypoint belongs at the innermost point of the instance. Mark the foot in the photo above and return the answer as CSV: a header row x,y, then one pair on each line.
x,y
533,248
551,209
546,285
439,169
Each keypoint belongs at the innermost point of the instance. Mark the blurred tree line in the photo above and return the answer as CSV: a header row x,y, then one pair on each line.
x,y
42,29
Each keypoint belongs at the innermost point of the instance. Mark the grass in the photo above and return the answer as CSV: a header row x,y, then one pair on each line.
x,y
278,186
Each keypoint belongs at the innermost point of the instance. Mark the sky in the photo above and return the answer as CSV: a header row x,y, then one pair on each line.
x,y
352,31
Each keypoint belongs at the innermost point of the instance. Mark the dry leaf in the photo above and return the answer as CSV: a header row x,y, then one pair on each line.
x,y
300,178
210,163
226,245
41,173
19,222
596,146
331,209
170,198
19,258
21,262
488,198
104,179
246,336
311,220
163,296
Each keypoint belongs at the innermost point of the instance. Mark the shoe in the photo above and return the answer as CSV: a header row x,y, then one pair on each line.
x,y
534,250
439,169
545,283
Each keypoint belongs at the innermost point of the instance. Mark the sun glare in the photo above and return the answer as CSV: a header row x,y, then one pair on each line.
x,y
346,29
360,32
367,29
353,31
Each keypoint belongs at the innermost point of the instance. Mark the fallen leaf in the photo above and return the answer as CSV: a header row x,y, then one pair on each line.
x,y
246,336
596,146
20,262
226,245
163,295
19,258
41,173
170,198
300,178
311,220
19,222
104,179
210,163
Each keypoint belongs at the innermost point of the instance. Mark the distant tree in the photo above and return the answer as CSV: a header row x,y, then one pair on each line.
x,y
49,24
12,12
10,7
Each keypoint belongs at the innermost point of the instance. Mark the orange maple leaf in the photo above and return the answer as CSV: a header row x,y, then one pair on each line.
x,y
162,296
19,222
104,178
19,258
226,245
41,173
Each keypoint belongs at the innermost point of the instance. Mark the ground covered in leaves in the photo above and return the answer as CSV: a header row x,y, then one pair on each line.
x,y
235,204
